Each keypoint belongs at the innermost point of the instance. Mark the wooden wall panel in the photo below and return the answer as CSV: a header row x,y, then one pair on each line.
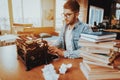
x,y
48,12
83,10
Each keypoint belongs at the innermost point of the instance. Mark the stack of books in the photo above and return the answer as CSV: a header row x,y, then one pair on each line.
x,y
96,72
98,58
99,36
96,62
97,52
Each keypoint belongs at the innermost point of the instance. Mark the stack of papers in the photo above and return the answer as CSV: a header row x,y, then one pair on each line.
x,y
49,73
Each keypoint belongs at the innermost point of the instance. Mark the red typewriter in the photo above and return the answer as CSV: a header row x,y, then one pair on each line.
x,y
32,51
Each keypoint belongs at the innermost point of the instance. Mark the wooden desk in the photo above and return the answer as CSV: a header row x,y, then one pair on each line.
x,y
13,69
113,30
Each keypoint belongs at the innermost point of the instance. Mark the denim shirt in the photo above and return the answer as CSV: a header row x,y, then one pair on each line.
x,y
76,34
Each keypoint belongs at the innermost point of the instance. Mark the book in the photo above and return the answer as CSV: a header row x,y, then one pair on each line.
x,y
95,72
97,64
98,40
99,35
95,57
106,45
96,49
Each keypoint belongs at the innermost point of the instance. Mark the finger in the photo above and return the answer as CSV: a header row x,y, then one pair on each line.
x,y
50,47
51,51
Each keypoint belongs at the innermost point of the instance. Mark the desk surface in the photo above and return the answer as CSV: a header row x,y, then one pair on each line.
x,y
13,69
112,30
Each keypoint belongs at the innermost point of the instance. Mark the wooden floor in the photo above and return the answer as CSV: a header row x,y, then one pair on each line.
x,y
13,69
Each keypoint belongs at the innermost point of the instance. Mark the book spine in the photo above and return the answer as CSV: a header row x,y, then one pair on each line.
x,y
84,71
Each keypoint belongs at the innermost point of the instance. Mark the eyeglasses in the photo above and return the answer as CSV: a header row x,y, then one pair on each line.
x,y
67,15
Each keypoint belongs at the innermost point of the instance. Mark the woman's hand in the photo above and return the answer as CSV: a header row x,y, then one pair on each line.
x,y
55,50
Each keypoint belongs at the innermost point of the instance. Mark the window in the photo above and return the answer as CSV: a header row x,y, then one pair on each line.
x,y
27,11
95,15
4,15
118,11
59,11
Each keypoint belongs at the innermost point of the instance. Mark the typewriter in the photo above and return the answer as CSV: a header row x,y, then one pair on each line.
x,y
32,51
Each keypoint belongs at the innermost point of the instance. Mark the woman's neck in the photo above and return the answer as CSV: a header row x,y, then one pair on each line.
x,y
71,26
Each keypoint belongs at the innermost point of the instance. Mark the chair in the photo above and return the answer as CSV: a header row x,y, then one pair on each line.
x,y
19,27
37,31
